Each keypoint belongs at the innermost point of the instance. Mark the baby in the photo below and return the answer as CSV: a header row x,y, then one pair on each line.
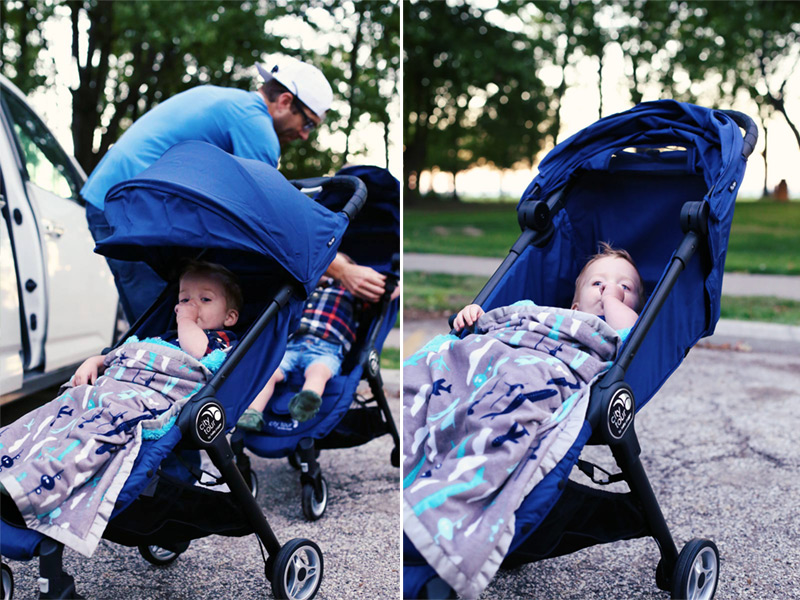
x,y
609,286
208,302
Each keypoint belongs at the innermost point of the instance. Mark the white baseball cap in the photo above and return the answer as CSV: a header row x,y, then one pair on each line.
x,y
305,81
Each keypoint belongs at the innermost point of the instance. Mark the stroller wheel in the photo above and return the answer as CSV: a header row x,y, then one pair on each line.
x,y
697,571
314,505
160,556
395,458
253,483
297,573
7,583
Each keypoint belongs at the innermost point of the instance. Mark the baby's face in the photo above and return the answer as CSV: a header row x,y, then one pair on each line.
x,y
608,275
207,297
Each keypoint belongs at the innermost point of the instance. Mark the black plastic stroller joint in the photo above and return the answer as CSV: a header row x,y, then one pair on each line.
x,y
339,182
694,217
616,408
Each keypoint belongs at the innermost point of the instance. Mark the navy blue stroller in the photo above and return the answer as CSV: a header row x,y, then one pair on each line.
x,y
659,180
345,419
200,202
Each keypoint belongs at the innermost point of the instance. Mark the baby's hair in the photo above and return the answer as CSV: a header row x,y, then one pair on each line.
x,y
228,281
605,250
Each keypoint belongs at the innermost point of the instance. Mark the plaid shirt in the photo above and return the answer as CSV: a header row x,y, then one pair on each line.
x,y
330,314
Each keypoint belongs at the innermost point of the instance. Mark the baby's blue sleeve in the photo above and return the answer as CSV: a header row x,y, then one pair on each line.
x,y
624,333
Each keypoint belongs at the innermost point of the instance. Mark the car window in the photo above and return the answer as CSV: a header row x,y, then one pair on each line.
x,y
47,164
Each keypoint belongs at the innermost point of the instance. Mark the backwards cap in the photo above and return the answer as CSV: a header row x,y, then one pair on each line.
x,y
305,81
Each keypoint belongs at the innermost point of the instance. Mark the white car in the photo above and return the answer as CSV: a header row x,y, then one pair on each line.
x,y
58,303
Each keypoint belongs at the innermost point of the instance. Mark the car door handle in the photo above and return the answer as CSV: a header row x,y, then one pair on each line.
x,y
53,230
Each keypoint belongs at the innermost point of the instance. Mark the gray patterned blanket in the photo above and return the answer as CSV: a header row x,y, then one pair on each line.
x,y
484,420
65,463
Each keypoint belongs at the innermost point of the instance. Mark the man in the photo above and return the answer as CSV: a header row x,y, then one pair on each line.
x,y
290,104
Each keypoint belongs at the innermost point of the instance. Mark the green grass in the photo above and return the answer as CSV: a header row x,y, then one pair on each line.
x,y
438,292
761,308
765,237
390,358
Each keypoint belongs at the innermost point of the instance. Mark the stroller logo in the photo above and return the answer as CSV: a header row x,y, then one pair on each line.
x,y
210,422
620,412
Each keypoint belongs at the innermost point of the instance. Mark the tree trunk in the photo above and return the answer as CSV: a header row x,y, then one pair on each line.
x,y
353,81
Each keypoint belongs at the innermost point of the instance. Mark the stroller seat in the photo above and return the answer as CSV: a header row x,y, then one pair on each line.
x,y
345,419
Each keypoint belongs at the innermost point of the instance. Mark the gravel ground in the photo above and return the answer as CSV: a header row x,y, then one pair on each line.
x,y
359,536
719,444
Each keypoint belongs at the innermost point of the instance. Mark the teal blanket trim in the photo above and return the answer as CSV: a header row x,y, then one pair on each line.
x,y
157,434
212,361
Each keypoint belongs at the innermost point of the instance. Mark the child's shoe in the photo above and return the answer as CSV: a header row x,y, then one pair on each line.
x,y
304,405
251,420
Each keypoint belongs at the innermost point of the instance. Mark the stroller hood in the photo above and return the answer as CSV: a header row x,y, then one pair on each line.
x,y
373,237
686,138
197,196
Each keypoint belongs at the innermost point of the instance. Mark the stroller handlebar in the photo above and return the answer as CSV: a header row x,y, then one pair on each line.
x,y
339,182
750,130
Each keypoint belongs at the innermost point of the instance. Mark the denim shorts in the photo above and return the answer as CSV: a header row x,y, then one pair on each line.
x,y
308,349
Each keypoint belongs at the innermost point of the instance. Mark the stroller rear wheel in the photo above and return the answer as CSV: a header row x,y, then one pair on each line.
x,y
160,556
314,504
297,571
7,583
697,571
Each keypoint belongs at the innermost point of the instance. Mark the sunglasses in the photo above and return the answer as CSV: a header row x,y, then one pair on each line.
x,y
308,124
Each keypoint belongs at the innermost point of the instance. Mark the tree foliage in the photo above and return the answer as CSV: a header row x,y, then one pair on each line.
x,y
132,55
471,94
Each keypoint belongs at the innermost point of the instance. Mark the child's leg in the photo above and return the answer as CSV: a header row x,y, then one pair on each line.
x,y
317,375
260,402
253,418
307,402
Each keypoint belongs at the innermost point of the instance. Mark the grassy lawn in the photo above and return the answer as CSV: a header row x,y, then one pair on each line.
x,y
440,295
390,358
761,308
765,237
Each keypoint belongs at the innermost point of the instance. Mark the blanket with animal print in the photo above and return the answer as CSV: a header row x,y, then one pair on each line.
x,y
65,463
485,418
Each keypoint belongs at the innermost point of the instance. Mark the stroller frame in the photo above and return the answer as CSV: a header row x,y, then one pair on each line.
x,y
294,569
692,572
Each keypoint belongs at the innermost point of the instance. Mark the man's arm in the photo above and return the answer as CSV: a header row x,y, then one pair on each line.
x,y
364,282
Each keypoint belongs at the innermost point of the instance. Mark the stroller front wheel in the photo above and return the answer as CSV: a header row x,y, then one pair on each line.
x,y
314,504
297,571
160,556
7,581
697,571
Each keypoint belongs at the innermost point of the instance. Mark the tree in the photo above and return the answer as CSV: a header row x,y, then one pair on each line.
x,y
751,45
471,94
132,55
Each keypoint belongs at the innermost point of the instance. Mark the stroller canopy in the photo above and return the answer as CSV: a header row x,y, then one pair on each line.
x,y
197,196
682,138
374,235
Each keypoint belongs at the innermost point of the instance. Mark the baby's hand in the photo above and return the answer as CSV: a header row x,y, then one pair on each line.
x,y
186,311
613,291
467,316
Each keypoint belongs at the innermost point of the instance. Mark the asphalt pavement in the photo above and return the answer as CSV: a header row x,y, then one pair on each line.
x,y
359,536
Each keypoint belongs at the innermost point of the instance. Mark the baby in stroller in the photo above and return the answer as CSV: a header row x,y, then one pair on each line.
x,y
609,286
68,495
522,390
317,348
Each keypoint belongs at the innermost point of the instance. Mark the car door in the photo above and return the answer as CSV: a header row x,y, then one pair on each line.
x,y
70,302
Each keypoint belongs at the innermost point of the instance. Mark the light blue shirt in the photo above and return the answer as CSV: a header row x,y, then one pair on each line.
x,y
234,120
